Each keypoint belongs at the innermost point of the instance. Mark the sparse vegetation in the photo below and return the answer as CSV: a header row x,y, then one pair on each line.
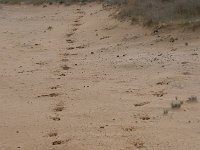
x,y
192,99
39,2
176,104
147,11
155,11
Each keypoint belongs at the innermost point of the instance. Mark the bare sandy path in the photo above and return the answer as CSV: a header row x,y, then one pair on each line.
x,y
75,78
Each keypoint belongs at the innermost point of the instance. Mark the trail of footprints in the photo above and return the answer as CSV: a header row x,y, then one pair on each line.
x,y
60,106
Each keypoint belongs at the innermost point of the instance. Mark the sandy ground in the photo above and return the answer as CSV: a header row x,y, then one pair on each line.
x,y
75,78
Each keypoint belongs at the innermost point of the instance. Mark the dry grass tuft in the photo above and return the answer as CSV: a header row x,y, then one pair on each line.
x,y
154,11
176,104
192,99
149,12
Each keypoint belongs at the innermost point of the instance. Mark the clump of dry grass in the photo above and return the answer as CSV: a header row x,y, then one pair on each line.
x,y
39,2
176,104
154,11
149,12
192,99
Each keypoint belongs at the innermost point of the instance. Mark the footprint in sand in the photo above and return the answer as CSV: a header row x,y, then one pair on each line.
x,y
76,24
65,67
41,63
59,142
159,93
49,95
81,46
55,87
69,41
76,21
79,12
53,134
72,54
70,34
70,48
49,28
55,118
129,129
64,60
187,73
141,104
164,82
80,17
74,29
59,107
104,37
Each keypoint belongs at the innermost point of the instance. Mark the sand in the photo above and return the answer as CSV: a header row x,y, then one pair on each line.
x,y
76,78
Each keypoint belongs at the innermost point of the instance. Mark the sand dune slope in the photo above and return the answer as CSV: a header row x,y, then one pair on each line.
x,y
75,78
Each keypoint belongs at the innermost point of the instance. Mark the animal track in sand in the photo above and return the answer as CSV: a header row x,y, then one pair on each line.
x,y
69,41
55,87
163,82
76,24
74,29
187,73
139,144
78,47
59,107
145,117
52,134
62,75
159,93
64,60
81,46
109,27
68,54
80,12
129,129
29,71
50,28
70,34
65,67
141,104
184,62
55,118
49,95
80,17
65,54
76,21
59,142
104,37
41,63
70,48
